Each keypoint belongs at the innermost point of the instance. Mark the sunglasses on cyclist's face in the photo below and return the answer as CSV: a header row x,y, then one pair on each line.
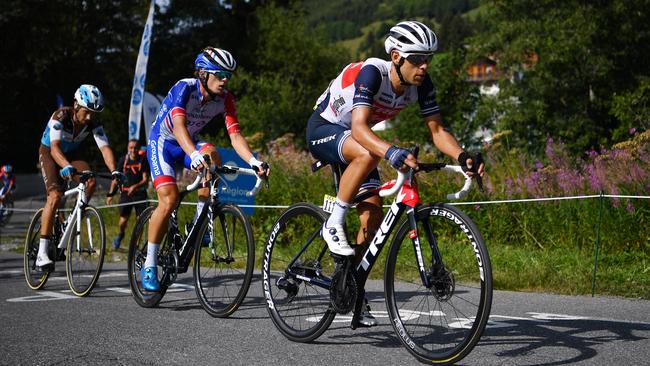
x,y
221,74
418,59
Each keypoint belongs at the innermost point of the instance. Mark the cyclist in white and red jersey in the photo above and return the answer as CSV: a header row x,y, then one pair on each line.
x,y
365,93
67,128
189,106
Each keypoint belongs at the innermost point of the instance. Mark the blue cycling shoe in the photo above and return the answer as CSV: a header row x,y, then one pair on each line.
x,y
150,279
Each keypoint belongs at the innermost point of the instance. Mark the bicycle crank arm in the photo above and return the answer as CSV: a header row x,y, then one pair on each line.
x,y
358,305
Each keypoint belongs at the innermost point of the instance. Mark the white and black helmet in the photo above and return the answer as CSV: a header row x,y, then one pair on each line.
x,y
411,37
212,58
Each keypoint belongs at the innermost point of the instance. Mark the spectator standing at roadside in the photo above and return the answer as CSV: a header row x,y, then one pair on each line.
x,y
136,169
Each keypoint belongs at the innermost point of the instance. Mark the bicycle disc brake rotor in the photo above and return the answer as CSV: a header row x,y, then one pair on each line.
x,y
343,300
443,284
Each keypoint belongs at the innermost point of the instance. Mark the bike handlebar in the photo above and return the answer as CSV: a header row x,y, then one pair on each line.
x,y
468,182
229,169
85,175
401,178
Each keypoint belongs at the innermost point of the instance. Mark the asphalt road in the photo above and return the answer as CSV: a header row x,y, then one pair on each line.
x,y
53,327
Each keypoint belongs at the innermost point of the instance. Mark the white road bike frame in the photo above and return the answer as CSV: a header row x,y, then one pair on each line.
x,y
73,221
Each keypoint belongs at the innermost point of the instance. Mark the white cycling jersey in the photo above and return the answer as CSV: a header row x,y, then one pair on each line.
x,y
368,84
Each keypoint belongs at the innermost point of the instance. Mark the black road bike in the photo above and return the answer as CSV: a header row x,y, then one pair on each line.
x,y
223,268
437,279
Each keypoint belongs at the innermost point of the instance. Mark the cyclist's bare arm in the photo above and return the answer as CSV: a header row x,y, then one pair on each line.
x,y
57,153
445,141
362,133
241,146
109,157
182,135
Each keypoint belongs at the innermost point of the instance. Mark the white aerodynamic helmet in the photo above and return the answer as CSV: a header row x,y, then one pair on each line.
x,y
411,37
88,96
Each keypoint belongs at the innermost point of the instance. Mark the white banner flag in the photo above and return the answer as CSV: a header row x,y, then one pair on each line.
x,y
137,94
150,109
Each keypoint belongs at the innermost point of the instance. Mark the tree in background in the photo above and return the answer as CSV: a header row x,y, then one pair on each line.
x,y
293,67
52,47
571,69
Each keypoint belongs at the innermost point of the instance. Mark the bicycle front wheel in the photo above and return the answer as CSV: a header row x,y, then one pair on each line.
x,y
223,268
442,322
295,265
137,257
85,256
35,278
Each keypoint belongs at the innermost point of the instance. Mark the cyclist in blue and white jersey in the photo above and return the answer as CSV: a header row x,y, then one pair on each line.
x,y
365,93
59,155
189,106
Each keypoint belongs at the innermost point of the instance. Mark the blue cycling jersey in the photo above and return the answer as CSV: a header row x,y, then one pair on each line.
x,y
184,99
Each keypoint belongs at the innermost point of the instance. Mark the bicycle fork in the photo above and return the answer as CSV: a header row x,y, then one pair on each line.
x,y
436,278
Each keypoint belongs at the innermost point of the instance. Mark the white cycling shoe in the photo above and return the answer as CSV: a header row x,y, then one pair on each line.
x,y
336,240
42,260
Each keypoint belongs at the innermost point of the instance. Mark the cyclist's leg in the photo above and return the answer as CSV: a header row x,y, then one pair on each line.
x,y
54,188
369,211
333,143
361,164
161,161
3,194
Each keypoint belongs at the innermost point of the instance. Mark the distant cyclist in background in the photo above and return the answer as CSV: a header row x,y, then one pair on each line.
x,y
8,181
189,106
135,168
8,184
339,131
60,158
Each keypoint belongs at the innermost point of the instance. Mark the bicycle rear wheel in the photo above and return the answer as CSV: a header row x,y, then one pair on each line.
x,y
295,253
223,268
35,278
137,256
440,324
85,257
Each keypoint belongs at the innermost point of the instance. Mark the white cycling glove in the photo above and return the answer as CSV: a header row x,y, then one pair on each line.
x,y
259,165
197,160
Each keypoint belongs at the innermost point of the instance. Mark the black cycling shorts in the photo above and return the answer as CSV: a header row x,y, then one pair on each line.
x,y
325,141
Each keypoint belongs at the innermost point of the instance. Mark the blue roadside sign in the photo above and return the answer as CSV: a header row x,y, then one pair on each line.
x,y
233,187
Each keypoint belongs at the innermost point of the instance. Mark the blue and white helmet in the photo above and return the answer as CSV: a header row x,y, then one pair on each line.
x,y
89,96
212,58
411,37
